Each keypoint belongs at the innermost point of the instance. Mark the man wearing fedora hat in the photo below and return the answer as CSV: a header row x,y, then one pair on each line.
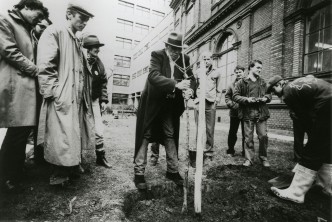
x,y
99,93
311,101
161,105
66,117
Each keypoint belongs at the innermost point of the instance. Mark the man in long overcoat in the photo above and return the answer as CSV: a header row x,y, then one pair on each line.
x,y
17,85
161,105
66,121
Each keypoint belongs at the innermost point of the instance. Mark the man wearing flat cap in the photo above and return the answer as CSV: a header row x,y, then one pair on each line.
x,y
96,69
311,101
66,119
161,105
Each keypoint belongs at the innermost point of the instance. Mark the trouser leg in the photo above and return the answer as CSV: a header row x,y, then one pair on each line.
x,y
318,148
299,132
249,140
261,130
99,127
12,153
210,119
232,133
140,160
167,122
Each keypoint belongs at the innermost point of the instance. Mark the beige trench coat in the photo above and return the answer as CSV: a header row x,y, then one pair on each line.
x,y
17,73
66,124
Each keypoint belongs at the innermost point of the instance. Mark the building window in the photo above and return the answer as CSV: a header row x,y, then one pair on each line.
x,y
158,16
141,29
118,98
136,43
121,80
318,41
142,11
123,43
227,59
189,16
125,25
126,7
122,61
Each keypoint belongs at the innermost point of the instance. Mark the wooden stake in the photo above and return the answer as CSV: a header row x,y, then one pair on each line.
x,y
201,135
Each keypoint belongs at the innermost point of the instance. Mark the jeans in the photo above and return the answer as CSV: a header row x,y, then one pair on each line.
x,y
261,130
99,127
166,122
210,122
232,133
12,153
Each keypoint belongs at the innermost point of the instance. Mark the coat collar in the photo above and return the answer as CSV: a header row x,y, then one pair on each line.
x,y
17,16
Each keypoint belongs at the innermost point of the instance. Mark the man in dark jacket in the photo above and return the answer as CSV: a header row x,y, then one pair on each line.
x,y
161,105
17,85
250,93
233,113
311,100
99,93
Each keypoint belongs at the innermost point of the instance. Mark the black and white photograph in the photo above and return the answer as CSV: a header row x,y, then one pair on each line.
x,y
166,110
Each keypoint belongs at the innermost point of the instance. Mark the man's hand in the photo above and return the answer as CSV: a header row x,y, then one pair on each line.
x,y
183,85
263,100
103,107
187,94
251,100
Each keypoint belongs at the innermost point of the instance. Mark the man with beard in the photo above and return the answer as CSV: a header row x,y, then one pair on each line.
x,y
160,108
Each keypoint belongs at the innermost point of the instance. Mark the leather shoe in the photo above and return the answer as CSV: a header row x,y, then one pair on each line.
x,y
175,177
140,182
101,159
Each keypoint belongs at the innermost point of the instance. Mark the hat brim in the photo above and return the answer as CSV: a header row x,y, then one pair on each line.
x,y
94,45
177,46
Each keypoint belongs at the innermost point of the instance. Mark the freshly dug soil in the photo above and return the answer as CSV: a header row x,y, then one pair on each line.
x,y
230,193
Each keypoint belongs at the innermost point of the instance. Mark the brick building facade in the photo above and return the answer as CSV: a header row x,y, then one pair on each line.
x,y
291,37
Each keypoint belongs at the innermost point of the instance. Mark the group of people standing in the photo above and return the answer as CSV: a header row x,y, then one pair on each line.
x,y
60,90
171,82
49,84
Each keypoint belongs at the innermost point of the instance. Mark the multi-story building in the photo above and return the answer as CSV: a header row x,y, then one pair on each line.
x,y
142,54
292,38
131,21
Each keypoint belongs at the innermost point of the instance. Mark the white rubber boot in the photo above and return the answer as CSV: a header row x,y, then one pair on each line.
x,y
302,181
324,178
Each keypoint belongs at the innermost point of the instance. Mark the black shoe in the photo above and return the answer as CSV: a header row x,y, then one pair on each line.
x,y
101,159
230,152
140,182
175,177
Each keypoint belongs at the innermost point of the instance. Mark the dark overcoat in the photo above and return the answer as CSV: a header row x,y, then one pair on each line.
x,y
158,85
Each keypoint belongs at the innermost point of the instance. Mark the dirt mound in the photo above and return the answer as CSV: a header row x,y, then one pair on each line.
x,y
230,193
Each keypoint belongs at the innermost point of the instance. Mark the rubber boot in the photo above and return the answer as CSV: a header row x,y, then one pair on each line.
x,y
324,179
101,159
301,183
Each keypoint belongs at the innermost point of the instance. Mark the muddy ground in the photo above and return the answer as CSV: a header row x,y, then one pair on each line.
x,y
230,191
